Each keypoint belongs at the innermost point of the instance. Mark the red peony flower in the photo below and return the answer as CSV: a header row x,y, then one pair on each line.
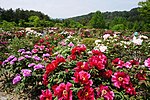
x,y
82,77
87,93
130,89
96,52
63,91
118,63
41,40
120,79
134,62
99,61
51,66
45,79
141,76
81,66
104,91
106,74
46,95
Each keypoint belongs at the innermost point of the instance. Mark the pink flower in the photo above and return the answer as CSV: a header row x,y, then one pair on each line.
x,y
128,64
81,66
41,47
46,95
118,63
26,72
147,63
63,91
71,44
106,36
120,79
34,50
17,79
87,93
104,91
82,77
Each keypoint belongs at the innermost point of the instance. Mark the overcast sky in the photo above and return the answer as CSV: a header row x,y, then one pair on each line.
x,y
70,8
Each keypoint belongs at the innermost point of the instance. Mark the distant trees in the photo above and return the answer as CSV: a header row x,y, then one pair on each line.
x,y
97,20
145,12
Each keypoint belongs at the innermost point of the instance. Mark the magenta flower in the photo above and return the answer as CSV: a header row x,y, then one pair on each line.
x,y
27,56
118,63
31,65
71,44
147,63
16,79
34,50
36,58
10,57
127,64
26,72
120,79
21,50
83,78
41,47
46,95
104,91
21,58
38,66
46,55
63,91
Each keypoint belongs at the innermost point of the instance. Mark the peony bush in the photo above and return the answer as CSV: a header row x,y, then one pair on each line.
x,y
60,67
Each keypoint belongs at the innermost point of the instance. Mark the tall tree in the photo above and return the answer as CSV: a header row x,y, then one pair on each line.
x,y
97,20
145,9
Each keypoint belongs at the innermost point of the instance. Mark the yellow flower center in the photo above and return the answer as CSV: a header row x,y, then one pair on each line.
x,y
86,94
120,79
83,78
65,92
47,99
104,92
82,66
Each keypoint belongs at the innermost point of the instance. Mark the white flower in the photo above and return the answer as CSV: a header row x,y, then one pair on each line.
x,y
97,42
103,48
143,36
137,41
106,36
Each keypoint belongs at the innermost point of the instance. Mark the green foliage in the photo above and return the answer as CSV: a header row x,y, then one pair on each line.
x,y
89,42
7,26
118,27
97,20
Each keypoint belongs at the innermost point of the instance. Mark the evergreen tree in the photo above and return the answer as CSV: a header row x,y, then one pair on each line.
x,y
97,20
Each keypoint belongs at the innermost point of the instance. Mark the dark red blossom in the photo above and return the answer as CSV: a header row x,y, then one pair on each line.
x,y
129,89
141,76
106,74
87,93
82,66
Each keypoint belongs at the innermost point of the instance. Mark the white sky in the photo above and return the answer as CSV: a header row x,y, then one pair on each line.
x,y
70,8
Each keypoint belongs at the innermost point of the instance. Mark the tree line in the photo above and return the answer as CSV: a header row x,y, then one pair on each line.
x,y
137,19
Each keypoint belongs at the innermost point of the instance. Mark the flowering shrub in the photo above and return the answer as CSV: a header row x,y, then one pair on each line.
x,y
114,67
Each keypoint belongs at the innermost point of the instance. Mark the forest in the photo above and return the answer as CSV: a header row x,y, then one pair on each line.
x,y
133,20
